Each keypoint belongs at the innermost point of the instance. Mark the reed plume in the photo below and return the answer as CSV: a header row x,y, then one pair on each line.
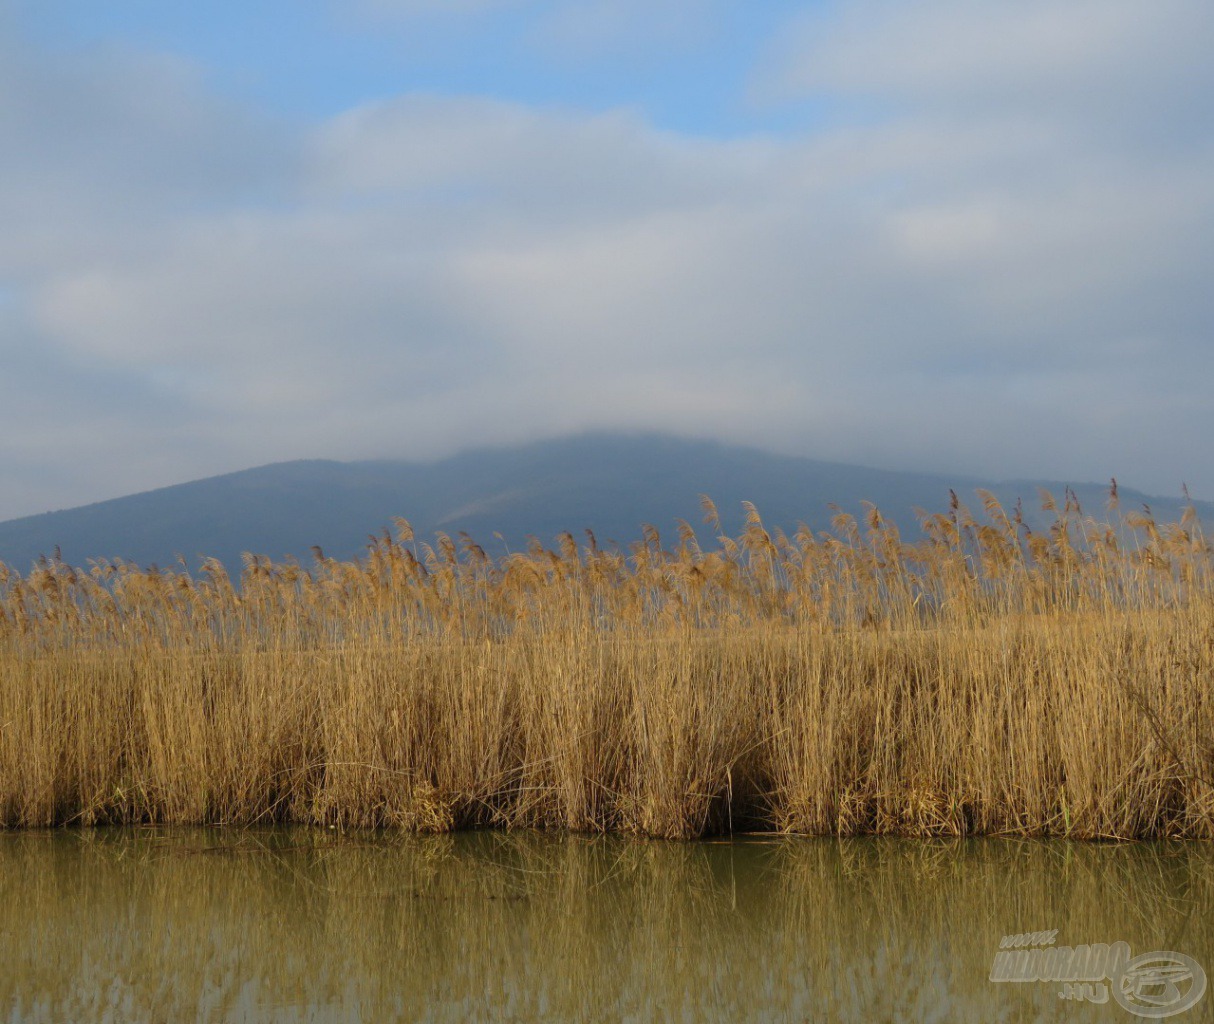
x,y
981,678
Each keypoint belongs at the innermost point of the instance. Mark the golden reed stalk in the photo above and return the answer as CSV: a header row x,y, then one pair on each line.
x,y
985,678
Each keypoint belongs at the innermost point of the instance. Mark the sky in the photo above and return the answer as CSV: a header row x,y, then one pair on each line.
x,y
964,236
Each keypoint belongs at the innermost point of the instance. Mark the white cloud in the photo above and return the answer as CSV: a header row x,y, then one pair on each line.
x,y
1095,64
99,148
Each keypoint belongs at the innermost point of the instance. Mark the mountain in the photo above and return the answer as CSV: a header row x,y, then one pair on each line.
x,y
611,483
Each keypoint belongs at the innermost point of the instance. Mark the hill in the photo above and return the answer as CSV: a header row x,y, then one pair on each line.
x,y
610,483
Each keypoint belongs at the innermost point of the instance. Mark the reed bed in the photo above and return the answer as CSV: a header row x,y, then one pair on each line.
x,y
983,678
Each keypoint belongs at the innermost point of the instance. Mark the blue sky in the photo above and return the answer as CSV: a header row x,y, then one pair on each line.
x,y
688,69
966,236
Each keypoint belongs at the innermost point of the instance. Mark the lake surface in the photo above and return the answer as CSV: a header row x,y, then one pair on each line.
x,y
286,925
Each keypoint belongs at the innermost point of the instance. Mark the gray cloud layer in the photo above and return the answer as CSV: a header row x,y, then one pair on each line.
x,y
993,260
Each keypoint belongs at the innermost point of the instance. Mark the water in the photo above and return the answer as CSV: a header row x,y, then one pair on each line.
x,y
225,926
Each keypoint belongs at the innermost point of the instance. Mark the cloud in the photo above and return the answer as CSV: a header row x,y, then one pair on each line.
x,y
1094,65
978,266
103,146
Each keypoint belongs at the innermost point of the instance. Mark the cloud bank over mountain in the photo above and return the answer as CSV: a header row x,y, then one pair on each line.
x,y
983,251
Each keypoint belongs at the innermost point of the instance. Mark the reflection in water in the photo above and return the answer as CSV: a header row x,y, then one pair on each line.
x,y
293,925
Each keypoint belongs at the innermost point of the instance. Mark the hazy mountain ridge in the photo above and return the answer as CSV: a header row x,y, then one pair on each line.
x,y
609,483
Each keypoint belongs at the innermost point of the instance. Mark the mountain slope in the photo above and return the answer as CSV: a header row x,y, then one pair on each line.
x,y
610,483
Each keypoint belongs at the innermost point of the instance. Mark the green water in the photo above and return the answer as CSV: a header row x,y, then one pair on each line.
x,y
226,926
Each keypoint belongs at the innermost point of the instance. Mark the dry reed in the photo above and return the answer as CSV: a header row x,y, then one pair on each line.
x,y
985,678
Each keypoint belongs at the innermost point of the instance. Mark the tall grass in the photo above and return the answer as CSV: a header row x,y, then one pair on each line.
x,y
982,678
